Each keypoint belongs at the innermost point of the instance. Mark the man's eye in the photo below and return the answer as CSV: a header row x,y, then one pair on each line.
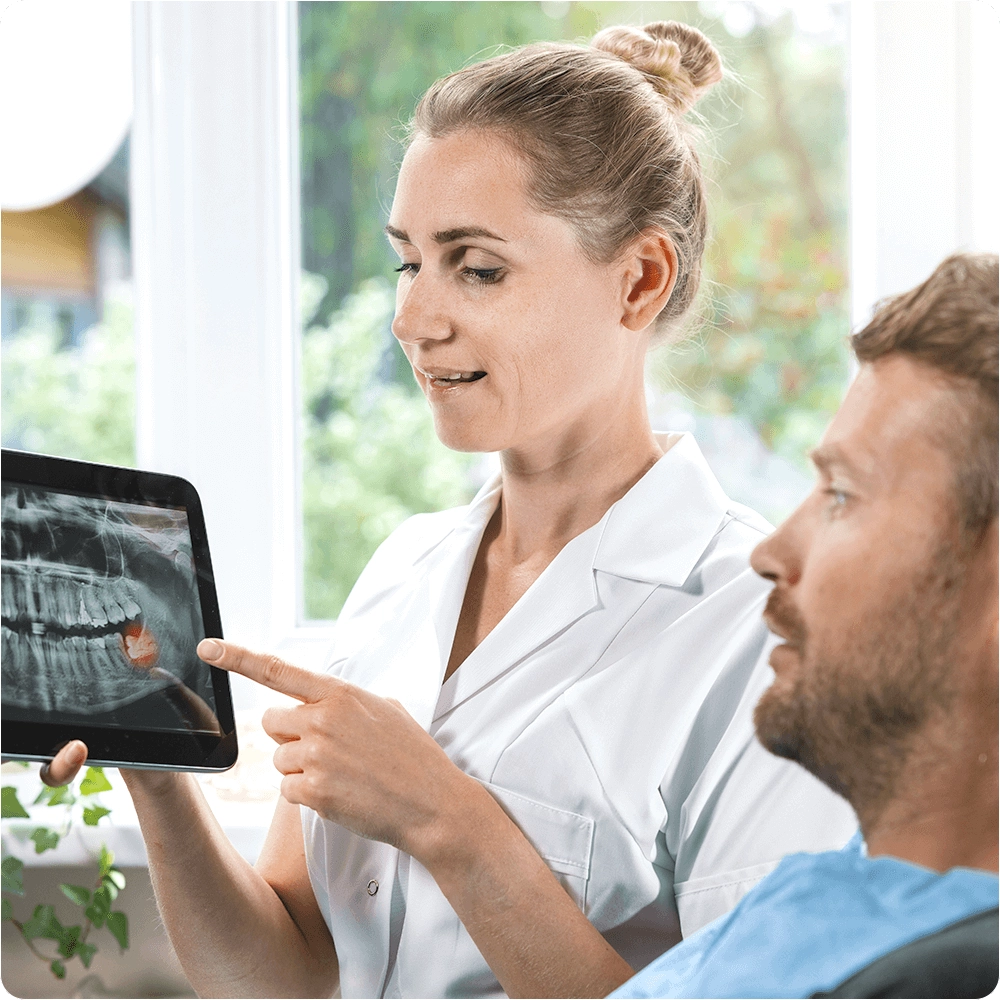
x,y
838,499
409,268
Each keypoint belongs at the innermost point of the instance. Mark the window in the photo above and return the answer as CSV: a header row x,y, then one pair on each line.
x,y
759,377
66,317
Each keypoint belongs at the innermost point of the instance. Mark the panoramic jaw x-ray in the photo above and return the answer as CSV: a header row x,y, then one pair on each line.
x,y
101,613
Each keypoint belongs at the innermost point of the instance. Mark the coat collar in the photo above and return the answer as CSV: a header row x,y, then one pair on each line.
x,y
658,531
654,535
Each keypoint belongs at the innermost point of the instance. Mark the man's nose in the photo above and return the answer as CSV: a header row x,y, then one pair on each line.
x,y
779,556
421,311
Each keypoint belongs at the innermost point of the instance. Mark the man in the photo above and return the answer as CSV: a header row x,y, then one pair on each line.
x,y
885,597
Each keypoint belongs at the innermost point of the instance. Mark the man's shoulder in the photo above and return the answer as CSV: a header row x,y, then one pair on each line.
x,y
815,921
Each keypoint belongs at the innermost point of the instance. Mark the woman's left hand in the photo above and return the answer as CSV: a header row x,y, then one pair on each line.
x,y
353,757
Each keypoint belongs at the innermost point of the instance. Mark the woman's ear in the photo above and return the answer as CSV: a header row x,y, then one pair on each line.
x,y
649,275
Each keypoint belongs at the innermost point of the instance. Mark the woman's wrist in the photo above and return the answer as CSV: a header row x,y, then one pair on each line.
x,y
467,818
142,783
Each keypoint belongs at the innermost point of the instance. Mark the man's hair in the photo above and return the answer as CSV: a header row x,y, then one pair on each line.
x,y
950,323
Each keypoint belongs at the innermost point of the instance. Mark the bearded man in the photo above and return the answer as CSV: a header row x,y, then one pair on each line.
x,y
885,598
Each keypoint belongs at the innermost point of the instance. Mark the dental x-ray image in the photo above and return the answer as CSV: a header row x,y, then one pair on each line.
x,y
101,614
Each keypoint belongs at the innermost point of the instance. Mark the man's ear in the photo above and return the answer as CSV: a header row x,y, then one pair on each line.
x,y
648,279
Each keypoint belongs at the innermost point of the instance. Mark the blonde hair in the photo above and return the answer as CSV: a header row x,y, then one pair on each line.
x,y
603,130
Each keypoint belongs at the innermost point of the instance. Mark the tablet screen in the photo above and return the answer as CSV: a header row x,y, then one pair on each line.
x,y
101,614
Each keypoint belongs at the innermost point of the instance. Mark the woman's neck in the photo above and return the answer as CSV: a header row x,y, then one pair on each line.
x,y
561,487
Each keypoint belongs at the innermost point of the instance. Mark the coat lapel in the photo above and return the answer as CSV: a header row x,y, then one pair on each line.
x,y
564,592
422,627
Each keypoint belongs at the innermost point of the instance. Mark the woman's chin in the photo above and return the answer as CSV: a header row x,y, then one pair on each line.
x,y
466,436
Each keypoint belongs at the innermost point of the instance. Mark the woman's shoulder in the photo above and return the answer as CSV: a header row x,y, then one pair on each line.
x,y
393,561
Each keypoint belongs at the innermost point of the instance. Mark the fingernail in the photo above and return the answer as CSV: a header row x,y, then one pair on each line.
x,y
209,649
78,754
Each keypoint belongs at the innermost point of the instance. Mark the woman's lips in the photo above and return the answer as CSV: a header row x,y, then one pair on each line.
x,y
444,379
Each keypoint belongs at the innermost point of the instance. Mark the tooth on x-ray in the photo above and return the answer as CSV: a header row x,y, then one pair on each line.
x,y
95,595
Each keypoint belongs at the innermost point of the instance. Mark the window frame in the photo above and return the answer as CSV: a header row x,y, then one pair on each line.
x,y
216,237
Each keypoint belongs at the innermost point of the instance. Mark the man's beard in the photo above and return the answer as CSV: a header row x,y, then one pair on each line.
x,y
851,714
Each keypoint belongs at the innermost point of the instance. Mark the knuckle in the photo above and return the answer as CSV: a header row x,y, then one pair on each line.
x,y
272,669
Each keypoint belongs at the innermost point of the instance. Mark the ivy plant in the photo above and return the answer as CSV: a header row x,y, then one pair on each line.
x,y
45,935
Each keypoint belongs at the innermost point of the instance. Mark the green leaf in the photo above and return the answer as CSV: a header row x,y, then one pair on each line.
x,y
10,805
85,952
13,875
8,910
43,924
110,887
100,905
92,814
61,796
44,838
68,940
116,878
94,781
118,925
76,893
106,861
58,970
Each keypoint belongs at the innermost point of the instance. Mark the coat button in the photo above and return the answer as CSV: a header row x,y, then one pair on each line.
x,y
372,887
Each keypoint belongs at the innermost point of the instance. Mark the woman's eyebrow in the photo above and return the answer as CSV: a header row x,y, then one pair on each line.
x,y
448,235
467,232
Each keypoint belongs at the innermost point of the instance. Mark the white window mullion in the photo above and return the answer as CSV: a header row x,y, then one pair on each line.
x,y
215,233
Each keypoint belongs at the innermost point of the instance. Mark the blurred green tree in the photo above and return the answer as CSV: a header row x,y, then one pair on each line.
x,y
74,401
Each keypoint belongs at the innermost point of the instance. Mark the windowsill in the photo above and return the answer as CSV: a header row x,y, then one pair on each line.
x,y
242,798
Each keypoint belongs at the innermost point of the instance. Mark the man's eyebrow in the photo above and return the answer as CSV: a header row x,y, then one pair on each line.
x,y
827,457
449,235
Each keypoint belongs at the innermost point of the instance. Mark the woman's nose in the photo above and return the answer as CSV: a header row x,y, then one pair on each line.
x,y
420,313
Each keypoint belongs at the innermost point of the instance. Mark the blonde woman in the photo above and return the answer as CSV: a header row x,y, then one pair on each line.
x,y
531,767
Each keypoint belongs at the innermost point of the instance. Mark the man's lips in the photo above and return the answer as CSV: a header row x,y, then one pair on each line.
x,y
782,655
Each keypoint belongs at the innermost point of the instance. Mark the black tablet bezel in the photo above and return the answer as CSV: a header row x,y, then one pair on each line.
x,y
121,747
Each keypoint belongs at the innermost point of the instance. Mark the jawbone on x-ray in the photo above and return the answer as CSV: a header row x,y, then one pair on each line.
x,y
100,611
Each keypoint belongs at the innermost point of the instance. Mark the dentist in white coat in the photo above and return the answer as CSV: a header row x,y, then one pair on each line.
x,y
530,768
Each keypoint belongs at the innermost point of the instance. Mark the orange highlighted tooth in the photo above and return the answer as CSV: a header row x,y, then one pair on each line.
x,y
139,646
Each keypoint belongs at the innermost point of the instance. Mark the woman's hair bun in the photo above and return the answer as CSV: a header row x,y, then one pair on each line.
x,y
677,59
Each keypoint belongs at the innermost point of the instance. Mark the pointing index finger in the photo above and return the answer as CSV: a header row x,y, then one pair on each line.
x,y
264,668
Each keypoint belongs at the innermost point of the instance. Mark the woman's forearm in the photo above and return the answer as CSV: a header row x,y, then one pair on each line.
x,y
529,930
235,933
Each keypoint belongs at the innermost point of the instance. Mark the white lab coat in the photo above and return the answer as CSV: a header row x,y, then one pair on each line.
x,y
609,712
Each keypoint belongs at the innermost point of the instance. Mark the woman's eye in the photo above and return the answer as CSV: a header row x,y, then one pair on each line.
x,y
483,275
408,268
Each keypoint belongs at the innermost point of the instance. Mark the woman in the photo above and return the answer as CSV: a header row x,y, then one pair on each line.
x,y
579,649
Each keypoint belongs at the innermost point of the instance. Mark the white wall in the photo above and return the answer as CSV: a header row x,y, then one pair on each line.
x,y
924,109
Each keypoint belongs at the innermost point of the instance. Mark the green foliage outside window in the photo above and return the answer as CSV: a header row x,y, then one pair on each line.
x,y
78,402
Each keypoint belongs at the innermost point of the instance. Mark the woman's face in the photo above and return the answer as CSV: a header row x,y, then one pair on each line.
x,y
514,335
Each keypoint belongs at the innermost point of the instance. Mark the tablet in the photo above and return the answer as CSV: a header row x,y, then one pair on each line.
x,y
107,590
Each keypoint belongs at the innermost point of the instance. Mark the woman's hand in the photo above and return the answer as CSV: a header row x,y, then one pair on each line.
x,y
353,757
65,766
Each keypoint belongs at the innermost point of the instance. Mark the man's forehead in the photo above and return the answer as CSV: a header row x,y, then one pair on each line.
x,y
891,413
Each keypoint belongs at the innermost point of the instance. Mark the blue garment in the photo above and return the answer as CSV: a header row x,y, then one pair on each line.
x,y
813,922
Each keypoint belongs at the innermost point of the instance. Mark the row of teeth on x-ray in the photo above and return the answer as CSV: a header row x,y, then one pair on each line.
x,y
46,594
66,672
